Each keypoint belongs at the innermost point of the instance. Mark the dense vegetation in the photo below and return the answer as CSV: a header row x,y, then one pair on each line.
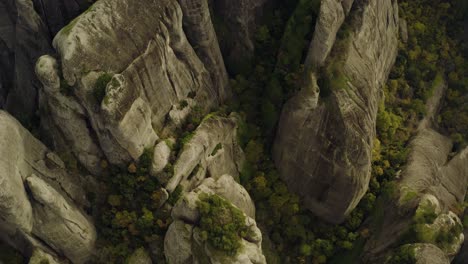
x,y
130,215
421,65
222,224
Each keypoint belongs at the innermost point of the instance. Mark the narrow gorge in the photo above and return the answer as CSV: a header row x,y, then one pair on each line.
x,y
250,131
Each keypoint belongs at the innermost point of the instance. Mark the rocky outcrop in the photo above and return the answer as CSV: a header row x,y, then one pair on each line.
x,y
429,254
184,243
202,36
237,23
331,16
120,105
23,38
324,140
40,257
40,201
212,151
433,178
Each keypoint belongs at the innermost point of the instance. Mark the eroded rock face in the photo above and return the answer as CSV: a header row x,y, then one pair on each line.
x,y
323,145
430,179
155,69
183,242
23,38
212,152
47,215
429,254
202,36
331,16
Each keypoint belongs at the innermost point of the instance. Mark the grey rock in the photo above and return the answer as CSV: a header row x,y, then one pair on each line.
x,y
23,38
331,16
183,242
59,223
233,192
15,209
212,149
48,215
429,254
65,119
430,177
161,156
156,68
202,36
323,147
39,257
177,243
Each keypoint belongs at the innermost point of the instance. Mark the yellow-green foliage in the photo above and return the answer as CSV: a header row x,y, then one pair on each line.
x,y
222,224
403,255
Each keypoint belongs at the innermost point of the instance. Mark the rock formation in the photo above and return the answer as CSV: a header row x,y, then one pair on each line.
x,y
39,200
431,179
324,141
212,151
183,242
155,71
202,36
331,16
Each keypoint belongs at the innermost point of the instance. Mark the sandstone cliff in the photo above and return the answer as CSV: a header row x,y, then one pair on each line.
x,y
324,140
432,182
156,70
41,203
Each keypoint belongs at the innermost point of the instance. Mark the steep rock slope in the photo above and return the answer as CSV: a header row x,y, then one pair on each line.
x,y
432,182
324,140
150,69
39,200
185,234
331,17
212,151
202,36
23,38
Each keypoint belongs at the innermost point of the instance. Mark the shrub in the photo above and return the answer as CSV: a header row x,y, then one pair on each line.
x,y
175,195
404,255
222,224
216,149
99,91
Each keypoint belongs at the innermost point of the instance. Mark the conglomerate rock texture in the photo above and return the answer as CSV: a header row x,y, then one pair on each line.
x,y
323,143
